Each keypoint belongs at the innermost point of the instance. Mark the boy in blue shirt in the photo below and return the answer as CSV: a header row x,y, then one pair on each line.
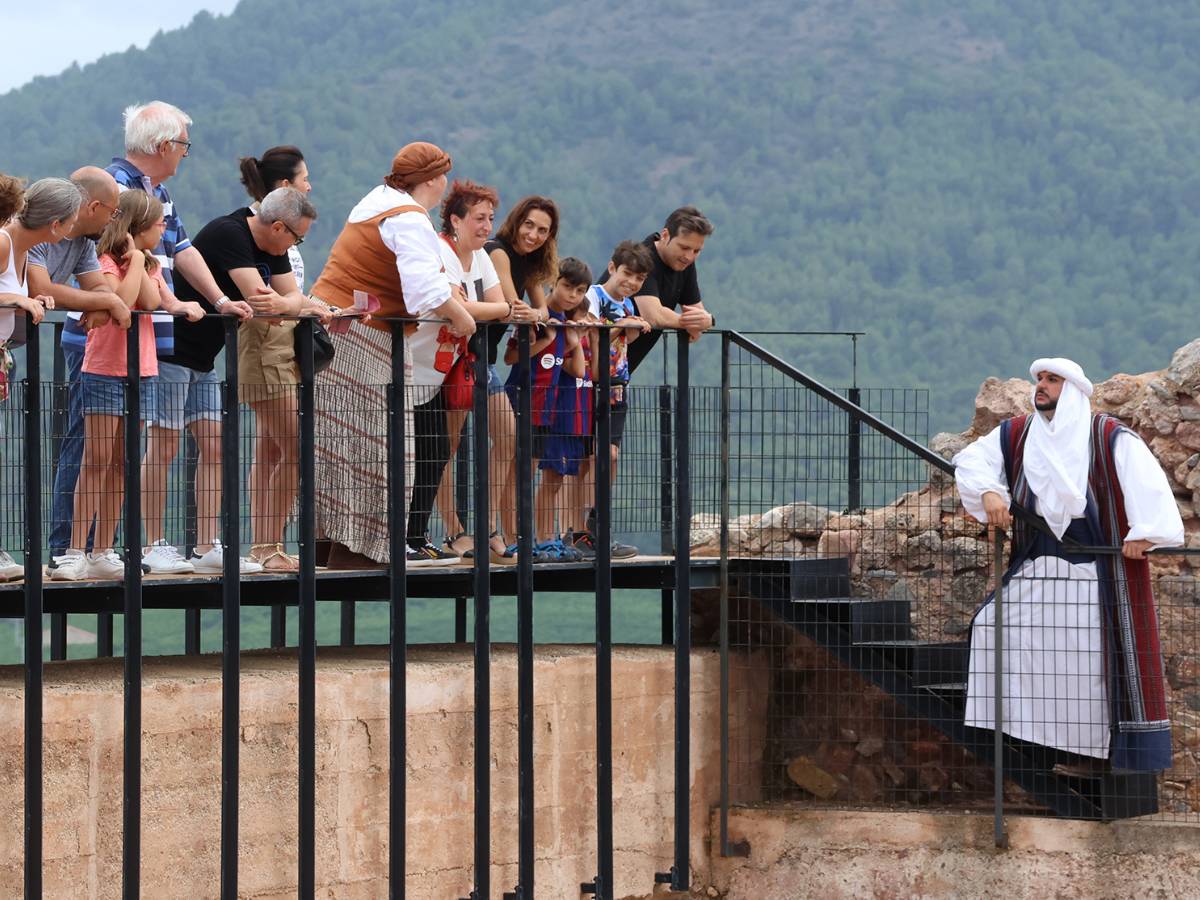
x,y
612,304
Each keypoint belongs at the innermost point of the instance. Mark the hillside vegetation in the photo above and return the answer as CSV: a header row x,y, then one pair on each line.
x,y
972,182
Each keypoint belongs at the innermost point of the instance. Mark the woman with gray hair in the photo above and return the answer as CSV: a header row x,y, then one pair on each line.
x,y
43,213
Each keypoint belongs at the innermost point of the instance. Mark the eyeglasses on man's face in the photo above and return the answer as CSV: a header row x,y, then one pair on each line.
x,y
113,212
298,238
187,145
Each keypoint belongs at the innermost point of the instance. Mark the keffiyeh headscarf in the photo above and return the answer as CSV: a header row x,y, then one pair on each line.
x,y
1057,452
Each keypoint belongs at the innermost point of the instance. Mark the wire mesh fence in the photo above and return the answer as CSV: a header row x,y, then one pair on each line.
x,y
862,634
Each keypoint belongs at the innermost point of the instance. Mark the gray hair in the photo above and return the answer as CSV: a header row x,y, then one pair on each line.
x,y
49,200
286,205
148,125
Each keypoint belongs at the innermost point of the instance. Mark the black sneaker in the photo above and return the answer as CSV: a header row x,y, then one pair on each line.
x,y
583,544
617,550
429,555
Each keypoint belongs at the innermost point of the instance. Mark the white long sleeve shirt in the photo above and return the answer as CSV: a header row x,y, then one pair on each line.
x,y
1149,503
412,238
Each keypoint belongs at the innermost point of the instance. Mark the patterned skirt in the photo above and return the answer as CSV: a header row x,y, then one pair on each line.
x,y
352,444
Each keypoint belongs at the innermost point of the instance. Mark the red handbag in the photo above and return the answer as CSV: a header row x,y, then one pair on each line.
x,y
459,387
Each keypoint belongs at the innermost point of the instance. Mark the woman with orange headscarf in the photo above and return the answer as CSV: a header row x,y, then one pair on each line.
x,y
388,250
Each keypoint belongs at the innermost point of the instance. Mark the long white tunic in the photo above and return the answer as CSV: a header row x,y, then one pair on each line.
x,y
1054,686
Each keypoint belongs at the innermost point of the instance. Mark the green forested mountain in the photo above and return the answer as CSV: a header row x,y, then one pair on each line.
x,y
972,182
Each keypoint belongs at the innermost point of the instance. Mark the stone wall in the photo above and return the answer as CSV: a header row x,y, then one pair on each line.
x,y
181,771
836,855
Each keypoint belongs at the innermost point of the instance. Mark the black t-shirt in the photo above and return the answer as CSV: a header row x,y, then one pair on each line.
x,y
522,268
673,290
226,244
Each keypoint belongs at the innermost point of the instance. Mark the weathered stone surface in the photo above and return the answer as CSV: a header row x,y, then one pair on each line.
x,y
839,543
998,400
1183,670
806,774
843,854
1188,435
1184,370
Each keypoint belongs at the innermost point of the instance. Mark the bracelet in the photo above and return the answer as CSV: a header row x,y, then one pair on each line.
x,y
220,302
510,309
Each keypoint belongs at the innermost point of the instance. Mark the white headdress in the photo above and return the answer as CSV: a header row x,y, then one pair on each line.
x,y
1057,453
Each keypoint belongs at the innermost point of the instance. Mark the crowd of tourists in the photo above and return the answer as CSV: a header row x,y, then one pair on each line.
x,y
109,246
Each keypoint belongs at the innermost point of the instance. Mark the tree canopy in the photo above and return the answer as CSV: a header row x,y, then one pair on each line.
x,y
974,183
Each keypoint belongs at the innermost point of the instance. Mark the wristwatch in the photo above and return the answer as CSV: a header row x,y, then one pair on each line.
x,y
220,302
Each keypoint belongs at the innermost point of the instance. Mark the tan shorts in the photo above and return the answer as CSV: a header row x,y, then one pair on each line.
x,y
267,366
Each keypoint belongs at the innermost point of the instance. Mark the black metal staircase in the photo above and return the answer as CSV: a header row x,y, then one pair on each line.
x,y
874,637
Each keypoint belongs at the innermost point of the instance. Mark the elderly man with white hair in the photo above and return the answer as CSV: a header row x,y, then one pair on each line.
x,y
1082,665
156,142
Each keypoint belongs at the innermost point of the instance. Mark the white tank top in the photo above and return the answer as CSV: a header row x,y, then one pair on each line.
x,y
10,283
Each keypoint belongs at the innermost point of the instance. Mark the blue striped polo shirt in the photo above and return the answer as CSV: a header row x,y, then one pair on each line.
x,y
130,177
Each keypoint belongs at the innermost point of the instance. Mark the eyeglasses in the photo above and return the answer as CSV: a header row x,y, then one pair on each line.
x,y
113,212
187,145
299,239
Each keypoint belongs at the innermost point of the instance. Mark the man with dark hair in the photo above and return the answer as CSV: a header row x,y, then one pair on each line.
x,y
672,283
1082,665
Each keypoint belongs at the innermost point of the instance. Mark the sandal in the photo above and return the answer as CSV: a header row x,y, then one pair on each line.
x,y
285,563
468,553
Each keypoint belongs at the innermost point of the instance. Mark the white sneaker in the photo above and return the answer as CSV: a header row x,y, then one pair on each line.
x,y
71,566
164,559
106,565
213,562
9,570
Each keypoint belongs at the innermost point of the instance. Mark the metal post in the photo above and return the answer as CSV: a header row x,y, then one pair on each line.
x,y
460,618
483,638
525,540
132,778
306,851
724,637
1000,834
231,603
278,626
680,873
666,498
854,454
603,885
346,631
191,632
33,614
58,636
104,635
397,621
58,425
191,463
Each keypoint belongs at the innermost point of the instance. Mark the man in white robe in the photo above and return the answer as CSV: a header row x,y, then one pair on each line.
x,y
1077,642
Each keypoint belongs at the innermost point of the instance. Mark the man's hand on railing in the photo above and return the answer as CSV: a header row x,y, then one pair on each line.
x,y
239,308
695,320
267,302
996,508
1135,549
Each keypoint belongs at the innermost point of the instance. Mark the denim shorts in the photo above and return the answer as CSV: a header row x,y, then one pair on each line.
x,y
495,385
104,395
182,396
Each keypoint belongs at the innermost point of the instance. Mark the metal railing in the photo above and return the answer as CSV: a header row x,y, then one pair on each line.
x,y
688,460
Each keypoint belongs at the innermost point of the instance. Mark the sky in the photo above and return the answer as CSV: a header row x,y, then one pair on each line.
x,y
56,33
